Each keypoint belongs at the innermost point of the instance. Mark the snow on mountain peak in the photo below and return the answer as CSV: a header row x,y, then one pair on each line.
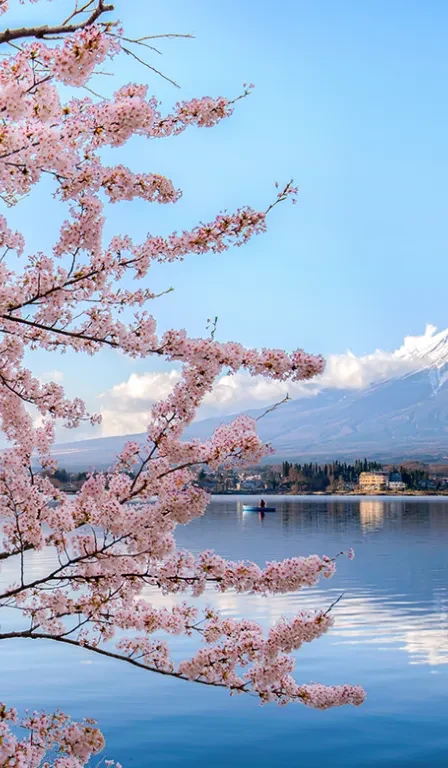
x,y
431,348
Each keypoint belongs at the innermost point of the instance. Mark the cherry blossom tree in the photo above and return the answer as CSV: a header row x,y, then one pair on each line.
x,y
114,542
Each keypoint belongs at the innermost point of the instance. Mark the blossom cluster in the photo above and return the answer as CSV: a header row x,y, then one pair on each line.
x,y
239,657
182,571
76,59
75,742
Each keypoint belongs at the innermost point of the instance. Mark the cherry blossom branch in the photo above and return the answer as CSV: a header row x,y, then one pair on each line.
x,y
42,32
317,696
28,634
78,11
61,331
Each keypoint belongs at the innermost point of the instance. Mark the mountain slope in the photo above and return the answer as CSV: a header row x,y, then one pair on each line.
x,y
404,417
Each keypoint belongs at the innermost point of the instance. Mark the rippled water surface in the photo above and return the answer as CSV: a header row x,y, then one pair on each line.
x,y
391,635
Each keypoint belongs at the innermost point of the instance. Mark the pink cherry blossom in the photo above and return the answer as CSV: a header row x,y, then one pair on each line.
x,y
88,293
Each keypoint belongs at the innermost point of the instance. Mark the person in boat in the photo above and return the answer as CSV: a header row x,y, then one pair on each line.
x,y
262,504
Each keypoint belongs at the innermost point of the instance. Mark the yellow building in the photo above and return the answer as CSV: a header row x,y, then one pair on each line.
x,y
371,482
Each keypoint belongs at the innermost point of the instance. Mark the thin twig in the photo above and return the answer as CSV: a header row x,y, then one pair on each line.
x,y
335,603
145,64
274,407
283,195
212,326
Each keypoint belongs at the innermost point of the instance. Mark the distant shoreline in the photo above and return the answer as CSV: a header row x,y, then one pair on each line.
x,y
357,494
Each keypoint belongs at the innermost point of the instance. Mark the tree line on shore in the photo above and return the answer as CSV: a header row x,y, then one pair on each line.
x,y
291,477
340,475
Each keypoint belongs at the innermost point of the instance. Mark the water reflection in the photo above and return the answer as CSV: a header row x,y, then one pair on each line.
x,y
394,594
371,514
391,635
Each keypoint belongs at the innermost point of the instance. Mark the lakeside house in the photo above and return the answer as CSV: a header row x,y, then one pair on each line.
x,y
397,485
396,482
371,482
375,481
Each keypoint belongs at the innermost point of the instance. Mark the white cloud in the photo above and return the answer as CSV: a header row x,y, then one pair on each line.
x,y
48,376
126,407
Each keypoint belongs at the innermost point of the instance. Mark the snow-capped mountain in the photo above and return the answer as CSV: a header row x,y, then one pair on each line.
x,y
431,348
403,417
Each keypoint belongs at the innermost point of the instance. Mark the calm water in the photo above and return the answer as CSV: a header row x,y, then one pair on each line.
x,y
391,635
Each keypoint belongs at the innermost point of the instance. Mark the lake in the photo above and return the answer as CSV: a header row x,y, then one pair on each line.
x,y
391,636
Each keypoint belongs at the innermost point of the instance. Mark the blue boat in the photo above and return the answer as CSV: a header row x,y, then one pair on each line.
x,y
257,509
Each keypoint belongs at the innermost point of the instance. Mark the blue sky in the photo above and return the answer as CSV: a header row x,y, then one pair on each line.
x,y
350,100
